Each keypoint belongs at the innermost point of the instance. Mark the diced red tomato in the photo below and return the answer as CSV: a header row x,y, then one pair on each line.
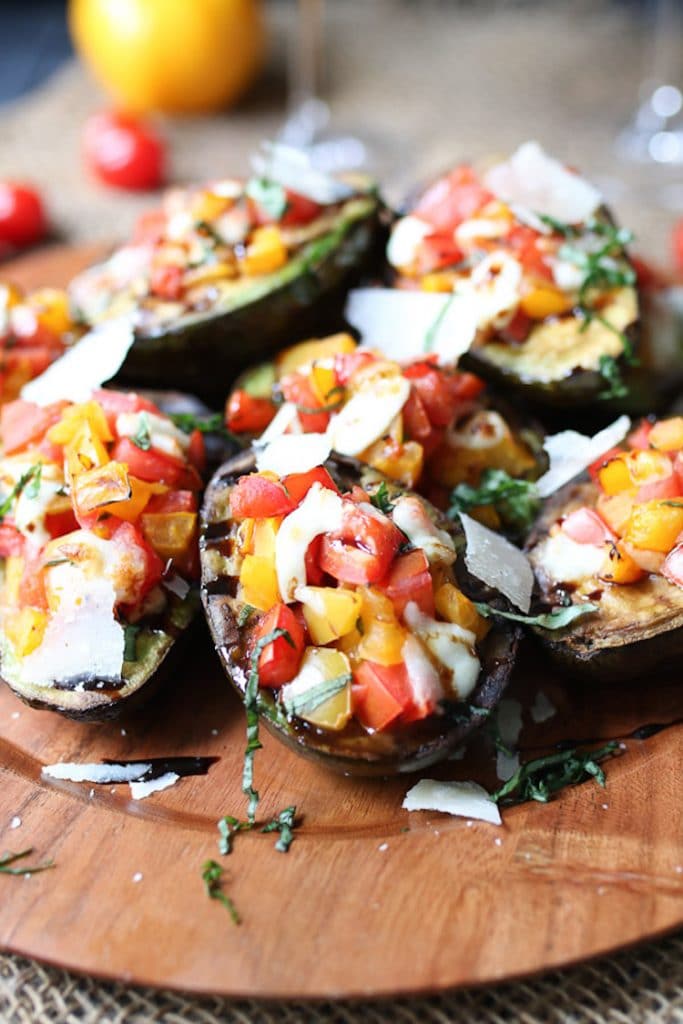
x,y
678,467
677,245
665,487
196,451
172,501
436,252
155,466
298,485
245,414
11,540
256,497
357,494
409,579
296,388
167,282
452,199
127,536
279,660
315,575
22,422
116,402
639,438
300,210
415,419
585,526
348,363
32,585
595,467
436,395
381,694
362,551
58,524
672,567
524,241
518,328
149,227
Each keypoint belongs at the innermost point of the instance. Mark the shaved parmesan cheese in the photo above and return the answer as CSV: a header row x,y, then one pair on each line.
x,y
506,764
92,361
405,239
570,453
463,799
542,708
403,324
175,584
498,563
320,512
285,418
292,168
451,645
101,774
410,516
509,721
368,414
293,453
532,179
140,790
481,227
531,219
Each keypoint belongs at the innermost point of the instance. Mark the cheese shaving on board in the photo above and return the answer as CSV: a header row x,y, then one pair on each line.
x,y
100,774
141,790
570,453
462,799
91,362
498,563
293,453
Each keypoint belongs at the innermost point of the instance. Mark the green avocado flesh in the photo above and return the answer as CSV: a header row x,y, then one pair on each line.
x,y
202,352
637,628
97,700
353,750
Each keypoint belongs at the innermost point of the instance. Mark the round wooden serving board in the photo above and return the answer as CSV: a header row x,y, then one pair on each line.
x,y
370,900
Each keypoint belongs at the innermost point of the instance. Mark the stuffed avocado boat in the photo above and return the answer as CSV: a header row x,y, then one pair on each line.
x,y
424,426
340,612
98,549
542,293
616,541
224,274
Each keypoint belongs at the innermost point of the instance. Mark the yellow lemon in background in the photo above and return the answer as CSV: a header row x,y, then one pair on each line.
x,y
173,56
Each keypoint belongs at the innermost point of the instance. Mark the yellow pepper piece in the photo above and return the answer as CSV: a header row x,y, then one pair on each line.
x,y
258,583
103,485
85,451
453,606
307,352
14,570
329,612
655,525
208,206
266,253
545,301
400,462
25,630
667,435
140,493
614,476
75,417
51,306
170,533
382,636
618,566
324,383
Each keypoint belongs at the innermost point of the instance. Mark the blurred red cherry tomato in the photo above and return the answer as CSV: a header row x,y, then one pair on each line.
x,y
22,216
677,245
123,151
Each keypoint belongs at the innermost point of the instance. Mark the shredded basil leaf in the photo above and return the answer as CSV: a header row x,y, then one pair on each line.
x,y
269,195
556,619
542,777
609,370
31,477
320,693
8,863
245,613
227,827
142,438
430,336
516,501
187,422
57,561
130,642
212,876
284,824
381,500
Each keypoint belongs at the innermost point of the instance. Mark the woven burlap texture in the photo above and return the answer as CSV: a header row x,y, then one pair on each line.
x,y
642,986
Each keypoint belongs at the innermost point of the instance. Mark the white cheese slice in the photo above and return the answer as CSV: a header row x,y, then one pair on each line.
x,y
481,227
405,324
293,453
509,721
493,287
423,677
405,239
88,364
570,453
498,563
462,799
451,645
141,790
286,418
563,560
292,168
368,414
320,512
100,774
410,516
163,433
542,184
29,509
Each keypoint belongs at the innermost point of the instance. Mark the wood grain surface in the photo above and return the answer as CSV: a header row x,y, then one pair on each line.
x,y
369,900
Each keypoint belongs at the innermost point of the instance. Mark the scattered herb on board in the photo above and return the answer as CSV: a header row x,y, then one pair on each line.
x,y
142,438
380,499
269,195
28,481
284,824
212,876
556,619
516,501
542,777
8,864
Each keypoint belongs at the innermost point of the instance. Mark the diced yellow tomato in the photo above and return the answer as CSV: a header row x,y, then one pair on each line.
x,y
655,525
265,532
619,566
614,476
615,510
649,561
382,636
140,493
52,308
451,465
545,301
400,462
10,295
258,583
207,206
25,630
437,282
103,485
265,253
332,714
330,612
170,533
630,470
667,435
453,606
85,451
14,570
379,369
323,382
207,273
307,352
73,419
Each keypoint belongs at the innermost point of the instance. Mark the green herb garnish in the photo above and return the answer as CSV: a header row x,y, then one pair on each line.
x,y
212,877
142,437
608,369
246,611
381,500
31,477
430,336
556,619
320,693
227,827
252,712
516,501
187,422
8,864
57,561
130,642
544,776
269,195
284,824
